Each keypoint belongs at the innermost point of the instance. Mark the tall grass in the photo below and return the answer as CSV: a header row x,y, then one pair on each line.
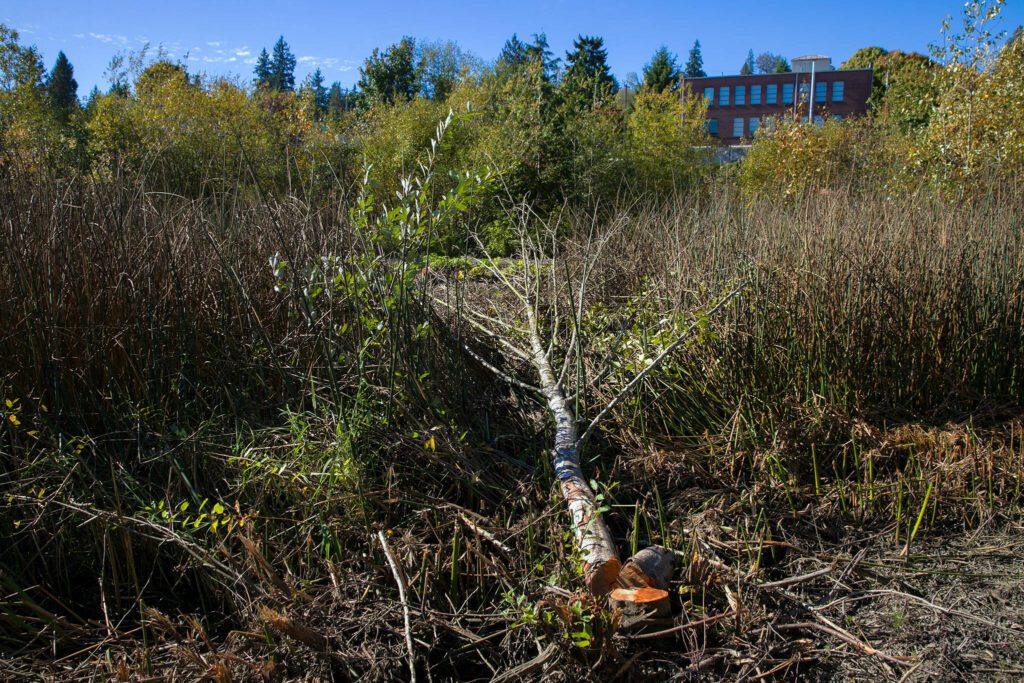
x,y
164,356
871,307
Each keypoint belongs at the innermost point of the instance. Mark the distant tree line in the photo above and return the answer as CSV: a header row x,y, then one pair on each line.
x,y
555,126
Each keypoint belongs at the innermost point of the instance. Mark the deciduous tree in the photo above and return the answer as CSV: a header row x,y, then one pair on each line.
x,y
770,63
441,64
390,76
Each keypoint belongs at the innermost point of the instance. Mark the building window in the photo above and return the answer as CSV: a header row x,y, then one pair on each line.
x,y
737,128
712,125
818,121
723,96
755,94
837,91
709,95
741,95
787,93
754,123
819,91
771,94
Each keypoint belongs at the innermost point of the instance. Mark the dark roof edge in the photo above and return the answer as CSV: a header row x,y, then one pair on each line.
x,y
788,73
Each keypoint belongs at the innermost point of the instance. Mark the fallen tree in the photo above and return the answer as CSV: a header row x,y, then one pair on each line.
x,y
535,289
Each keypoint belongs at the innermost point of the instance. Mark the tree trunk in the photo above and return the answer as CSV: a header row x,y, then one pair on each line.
x,y
601,562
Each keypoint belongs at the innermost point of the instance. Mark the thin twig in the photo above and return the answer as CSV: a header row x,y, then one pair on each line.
x,y
483,328
874,593
405,605
847,637
688,626
527,668
503,375
486,534
790,580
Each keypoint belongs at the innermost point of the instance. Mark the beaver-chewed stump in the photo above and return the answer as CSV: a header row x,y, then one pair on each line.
x,y
647,603
643,584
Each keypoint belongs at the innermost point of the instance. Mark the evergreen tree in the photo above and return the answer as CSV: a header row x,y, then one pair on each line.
x,y
92,101
390,76
514,53
282,67
262,71
532,143
539,51
62,88
337,102
314,84
695,63
782,67
588,82
748,66
662,72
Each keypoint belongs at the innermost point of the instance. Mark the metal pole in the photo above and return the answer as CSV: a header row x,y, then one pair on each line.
x,y
810,97
796,94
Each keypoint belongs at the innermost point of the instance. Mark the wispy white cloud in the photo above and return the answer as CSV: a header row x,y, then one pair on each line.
x,y
217,54
109,38
330,63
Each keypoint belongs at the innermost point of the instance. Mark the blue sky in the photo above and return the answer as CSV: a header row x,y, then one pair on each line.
x,y
224,37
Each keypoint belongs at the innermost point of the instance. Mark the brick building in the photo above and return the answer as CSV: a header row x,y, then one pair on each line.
x,y
738,105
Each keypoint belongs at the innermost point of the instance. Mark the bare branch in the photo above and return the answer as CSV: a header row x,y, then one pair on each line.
x,y
482,328
503,375
400,580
